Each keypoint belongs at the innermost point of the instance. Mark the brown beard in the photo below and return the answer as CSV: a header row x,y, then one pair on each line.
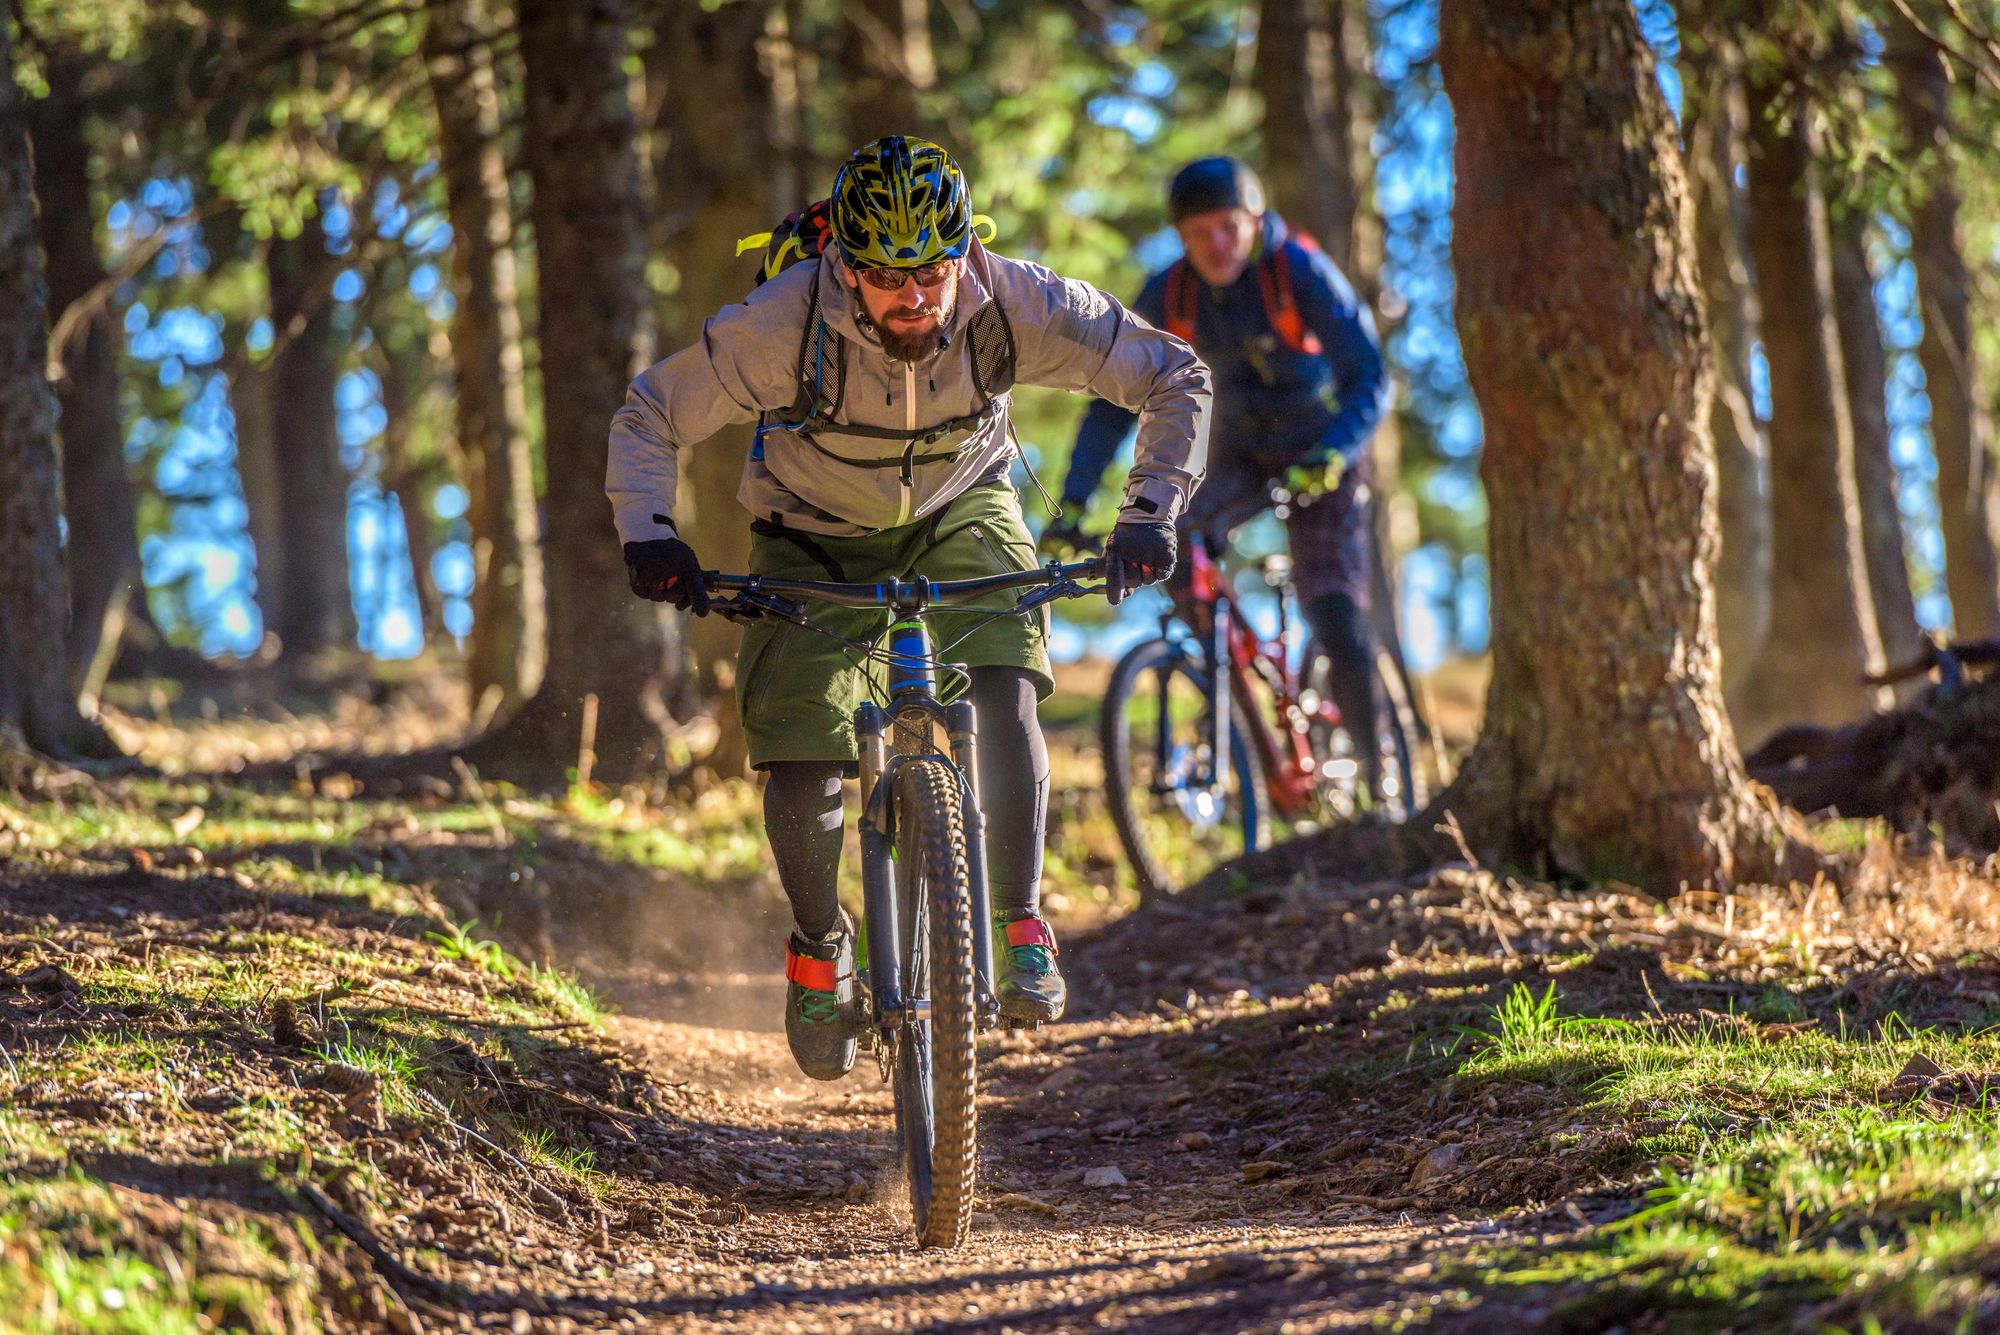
x,y
918,346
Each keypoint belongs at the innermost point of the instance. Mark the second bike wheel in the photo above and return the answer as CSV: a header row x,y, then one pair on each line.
x,y
936,1077
1402,791
1175,827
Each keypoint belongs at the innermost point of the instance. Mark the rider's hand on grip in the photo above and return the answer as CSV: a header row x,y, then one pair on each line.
x,y
667,571
1140,552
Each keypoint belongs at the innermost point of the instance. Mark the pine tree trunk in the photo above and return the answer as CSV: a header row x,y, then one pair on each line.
x,y
36,707
1605,753
1308,158
102,513
596,330
1715,130
509,641
404,374
1867,370
317,610
255,410
886,57
1968,484
1822,636
724,189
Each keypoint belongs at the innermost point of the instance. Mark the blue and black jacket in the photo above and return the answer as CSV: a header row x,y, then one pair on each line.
x,y
1275,405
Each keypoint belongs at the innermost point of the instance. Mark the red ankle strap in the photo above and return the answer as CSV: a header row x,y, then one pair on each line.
x,y
1031,932
819,975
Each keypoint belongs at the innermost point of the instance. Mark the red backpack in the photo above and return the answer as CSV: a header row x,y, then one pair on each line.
x,y
1274,282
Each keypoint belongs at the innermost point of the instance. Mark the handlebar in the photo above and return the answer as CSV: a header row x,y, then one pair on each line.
x,y
765,595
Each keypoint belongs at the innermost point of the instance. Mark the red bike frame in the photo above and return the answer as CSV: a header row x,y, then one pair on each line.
x,y
1285,746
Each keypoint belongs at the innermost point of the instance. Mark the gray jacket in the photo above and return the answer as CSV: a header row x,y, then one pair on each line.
x,y
1066,335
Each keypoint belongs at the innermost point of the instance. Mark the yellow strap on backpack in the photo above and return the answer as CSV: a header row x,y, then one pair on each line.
x,y
749,243
984,228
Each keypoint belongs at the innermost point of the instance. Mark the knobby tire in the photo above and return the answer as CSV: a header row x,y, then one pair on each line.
x,y
937,1070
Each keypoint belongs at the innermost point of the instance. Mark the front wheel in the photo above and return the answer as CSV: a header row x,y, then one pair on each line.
x,y
1179,813
936,1077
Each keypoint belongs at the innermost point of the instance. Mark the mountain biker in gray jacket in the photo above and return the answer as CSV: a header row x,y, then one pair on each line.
x,y
879,374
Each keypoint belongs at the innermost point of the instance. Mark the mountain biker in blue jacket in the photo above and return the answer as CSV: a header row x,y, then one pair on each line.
x,y
1299,388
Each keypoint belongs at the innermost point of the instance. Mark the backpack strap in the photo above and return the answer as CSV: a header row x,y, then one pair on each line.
x,y
1281,305
1180,300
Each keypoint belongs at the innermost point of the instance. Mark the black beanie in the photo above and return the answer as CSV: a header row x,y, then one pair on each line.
x,y
1214,183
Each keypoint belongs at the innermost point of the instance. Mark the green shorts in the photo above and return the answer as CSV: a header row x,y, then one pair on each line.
x,y
797,689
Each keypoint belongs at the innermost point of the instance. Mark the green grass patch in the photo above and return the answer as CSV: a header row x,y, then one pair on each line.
x,y
1786,1181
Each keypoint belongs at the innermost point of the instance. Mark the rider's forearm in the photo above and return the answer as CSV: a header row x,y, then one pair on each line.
x,y
680,399
1105,427
1160,377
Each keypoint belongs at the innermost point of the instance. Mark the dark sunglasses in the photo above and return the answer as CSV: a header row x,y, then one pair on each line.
x,y
892,280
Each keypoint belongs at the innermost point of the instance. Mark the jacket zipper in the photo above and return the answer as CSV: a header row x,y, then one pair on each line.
x,y
910,446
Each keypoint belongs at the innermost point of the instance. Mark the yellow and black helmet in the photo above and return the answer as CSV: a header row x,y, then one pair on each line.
x,y
900,202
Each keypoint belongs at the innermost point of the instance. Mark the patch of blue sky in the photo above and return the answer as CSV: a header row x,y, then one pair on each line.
x,y
450,501
430,234
348,286
1152,79
1136,117
452,570
425,281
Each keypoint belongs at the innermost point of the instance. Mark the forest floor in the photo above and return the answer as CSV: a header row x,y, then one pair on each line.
x,y
302,1054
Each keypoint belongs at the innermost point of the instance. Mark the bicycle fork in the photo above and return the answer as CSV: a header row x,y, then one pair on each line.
x,y
878,873
1208,773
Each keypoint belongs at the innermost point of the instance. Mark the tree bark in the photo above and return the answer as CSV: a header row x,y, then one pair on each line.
x,y
1605,753
37,708
596,326
721,188
509,641
1866,364
102,513
1308,157
1714,131
1822,638
317,610
1967,486
252,404
888,63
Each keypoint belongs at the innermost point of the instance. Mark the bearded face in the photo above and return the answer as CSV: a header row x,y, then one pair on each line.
x,y
909,319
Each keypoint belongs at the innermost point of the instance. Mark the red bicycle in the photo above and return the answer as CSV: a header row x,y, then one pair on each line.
x,y
1179,806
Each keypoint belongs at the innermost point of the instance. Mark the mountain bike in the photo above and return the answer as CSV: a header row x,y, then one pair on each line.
x,y
926,981
1197,775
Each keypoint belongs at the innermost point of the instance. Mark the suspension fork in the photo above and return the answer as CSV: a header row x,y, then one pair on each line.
x,y
961,721
878,874
1221,693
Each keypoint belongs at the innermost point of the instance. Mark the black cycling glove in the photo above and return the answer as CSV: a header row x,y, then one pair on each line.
x,y
1140,552
666,570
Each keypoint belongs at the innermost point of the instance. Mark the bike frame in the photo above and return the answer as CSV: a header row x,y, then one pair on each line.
x,y
1230,639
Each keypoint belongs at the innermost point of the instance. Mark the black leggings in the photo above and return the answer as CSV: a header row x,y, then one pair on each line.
x,y
1341,626
803,811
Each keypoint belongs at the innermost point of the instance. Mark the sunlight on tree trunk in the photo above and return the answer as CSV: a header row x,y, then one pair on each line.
x,y
36,707
725,188
101,510
1968,483
509,641
1822,638
597,329
1715,131
1606,753
1866,365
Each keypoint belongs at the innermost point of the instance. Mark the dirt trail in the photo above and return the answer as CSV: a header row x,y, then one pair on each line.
x,y
1184,1245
